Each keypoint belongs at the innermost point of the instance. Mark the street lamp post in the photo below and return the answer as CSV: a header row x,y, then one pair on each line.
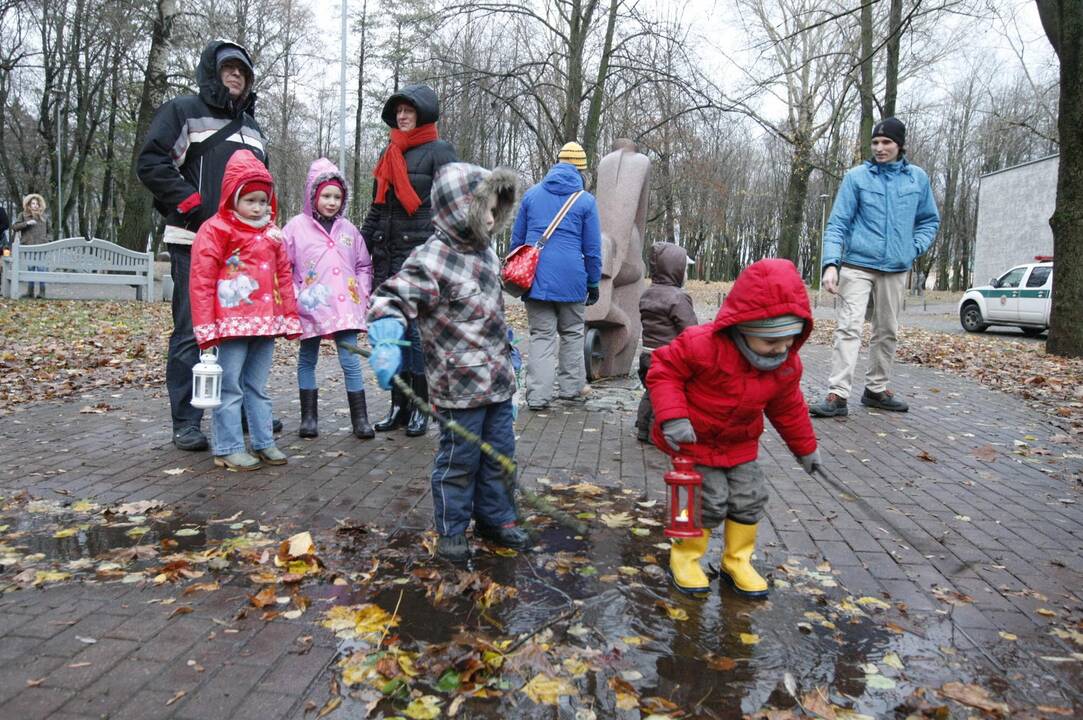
x,y
342,98
818,274
59,172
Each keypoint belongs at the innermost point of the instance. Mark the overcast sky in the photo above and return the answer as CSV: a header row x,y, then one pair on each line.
x,y
720,41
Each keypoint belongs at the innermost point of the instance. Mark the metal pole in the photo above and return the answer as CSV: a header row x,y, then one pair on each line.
x,y
59,173
342,98
819,270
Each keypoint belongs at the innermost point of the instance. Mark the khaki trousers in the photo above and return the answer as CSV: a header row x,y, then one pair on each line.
x,y
856,287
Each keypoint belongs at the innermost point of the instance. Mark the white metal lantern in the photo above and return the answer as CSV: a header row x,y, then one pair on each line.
x,y
207,381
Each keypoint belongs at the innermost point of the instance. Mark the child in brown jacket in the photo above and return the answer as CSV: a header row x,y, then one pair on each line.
x,y
665,310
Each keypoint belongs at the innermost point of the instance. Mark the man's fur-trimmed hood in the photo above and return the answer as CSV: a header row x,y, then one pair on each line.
x,y
460,195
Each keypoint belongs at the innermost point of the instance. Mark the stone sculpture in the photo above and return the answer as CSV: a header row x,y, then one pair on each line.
x,y
623,190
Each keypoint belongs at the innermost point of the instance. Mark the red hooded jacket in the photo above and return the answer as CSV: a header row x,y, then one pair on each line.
x,y
703,376
241,282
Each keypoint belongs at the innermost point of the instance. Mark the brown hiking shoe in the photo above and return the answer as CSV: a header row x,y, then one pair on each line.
x,y
832,406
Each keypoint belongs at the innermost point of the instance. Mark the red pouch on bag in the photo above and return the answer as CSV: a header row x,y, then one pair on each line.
x,y
517,275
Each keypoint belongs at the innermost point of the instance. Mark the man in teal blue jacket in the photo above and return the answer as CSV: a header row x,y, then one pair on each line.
x,y
883,219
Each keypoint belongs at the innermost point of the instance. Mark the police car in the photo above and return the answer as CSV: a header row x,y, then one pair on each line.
x,y
1020,297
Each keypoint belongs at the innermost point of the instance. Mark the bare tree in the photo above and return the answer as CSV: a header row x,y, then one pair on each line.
x,y
1063,23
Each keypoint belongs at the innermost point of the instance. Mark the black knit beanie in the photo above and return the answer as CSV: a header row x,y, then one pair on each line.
x,y
892,129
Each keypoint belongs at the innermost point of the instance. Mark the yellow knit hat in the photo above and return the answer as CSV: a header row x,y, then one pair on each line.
x,y
573,153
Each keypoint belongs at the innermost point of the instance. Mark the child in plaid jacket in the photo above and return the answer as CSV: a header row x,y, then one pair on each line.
x,y
450,286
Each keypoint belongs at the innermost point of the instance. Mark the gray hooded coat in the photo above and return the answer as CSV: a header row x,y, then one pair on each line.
x,y
450,286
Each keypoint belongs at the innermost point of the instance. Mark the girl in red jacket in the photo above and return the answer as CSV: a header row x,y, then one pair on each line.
x,y
710,389
241,293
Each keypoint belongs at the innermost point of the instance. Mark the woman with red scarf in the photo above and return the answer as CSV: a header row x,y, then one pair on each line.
x,y
400,219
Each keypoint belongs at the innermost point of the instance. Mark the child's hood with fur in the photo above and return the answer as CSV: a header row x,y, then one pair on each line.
x,y
460,194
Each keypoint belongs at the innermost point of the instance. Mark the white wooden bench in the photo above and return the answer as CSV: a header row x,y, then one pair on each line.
x,y
79,261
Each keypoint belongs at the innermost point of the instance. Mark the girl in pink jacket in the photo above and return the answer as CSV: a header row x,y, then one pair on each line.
x,y
332,277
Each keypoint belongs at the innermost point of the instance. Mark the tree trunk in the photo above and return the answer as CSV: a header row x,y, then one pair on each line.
x,y
793,209
865,88
891,63
594,114
1063,23
138,216
103,225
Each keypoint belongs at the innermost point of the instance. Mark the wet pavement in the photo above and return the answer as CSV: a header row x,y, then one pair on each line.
x,y
935,572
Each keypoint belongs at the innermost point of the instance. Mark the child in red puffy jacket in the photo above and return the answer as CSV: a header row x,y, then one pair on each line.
x,y
710,389
241,293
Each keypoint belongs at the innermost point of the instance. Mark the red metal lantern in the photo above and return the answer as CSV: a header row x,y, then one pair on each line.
x,y
683,500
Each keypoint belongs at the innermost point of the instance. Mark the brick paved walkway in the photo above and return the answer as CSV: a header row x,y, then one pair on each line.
x,y
1002,525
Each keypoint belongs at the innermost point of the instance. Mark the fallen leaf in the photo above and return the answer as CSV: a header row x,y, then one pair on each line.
x,y
749,638
879,682
85,640
329,707
176,696
1007,635
187,532
717,662
34,682
617,520
175,471
426,707
974,696
180,610
674,612
263,598
892,660
1054,710
817,703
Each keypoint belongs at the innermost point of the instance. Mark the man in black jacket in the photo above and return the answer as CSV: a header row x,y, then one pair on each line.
x,y
182,162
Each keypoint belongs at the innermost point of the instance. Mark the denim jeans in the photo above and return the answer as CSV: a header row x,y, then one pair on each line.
x,y
41,285
246,363
466,483
413,358
309,356
183,351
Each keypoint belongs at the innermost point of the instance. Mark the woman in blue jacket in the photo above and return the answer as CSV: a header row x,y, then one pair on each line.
x,y
566,281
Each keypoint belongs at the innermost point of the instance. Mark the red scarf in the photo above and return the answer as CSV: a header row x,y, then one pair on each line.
x,y
391,170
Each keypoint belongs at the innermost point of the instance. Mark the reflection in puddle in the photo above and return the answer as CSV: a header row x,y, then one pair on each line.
x,y
597,614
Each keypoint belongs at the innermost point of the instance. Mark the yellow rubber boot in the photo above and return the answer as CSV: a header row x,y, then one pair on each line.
x,y
737,560
684,570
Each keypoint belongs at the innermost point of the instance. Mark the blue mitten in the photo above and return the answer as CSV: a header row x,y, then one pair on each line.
x,y
385,336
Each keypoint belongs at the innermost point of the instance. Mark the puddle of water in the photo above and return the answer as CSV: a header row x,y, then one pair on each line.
x,y
701,664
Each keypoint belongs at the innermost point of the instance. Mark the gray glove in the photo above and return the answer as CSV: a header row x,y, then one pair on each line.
x,y
678,431
810,462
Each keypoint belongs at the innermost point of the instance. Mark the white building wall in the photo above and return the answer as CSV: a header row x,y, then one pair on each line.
x,y
1014,207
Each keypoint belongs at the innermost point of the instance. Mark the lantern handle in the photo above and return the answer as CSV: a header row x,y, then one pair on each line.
x,y
212,351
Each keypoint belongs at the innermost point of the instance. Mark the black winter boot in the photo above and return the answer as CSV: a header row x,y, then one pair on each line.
x,y
309,416
419,421
396,414
359,415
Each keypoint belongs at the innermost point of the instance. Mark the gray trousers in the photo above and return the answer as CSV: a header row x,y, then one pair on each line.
x,y
738,493
547,321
